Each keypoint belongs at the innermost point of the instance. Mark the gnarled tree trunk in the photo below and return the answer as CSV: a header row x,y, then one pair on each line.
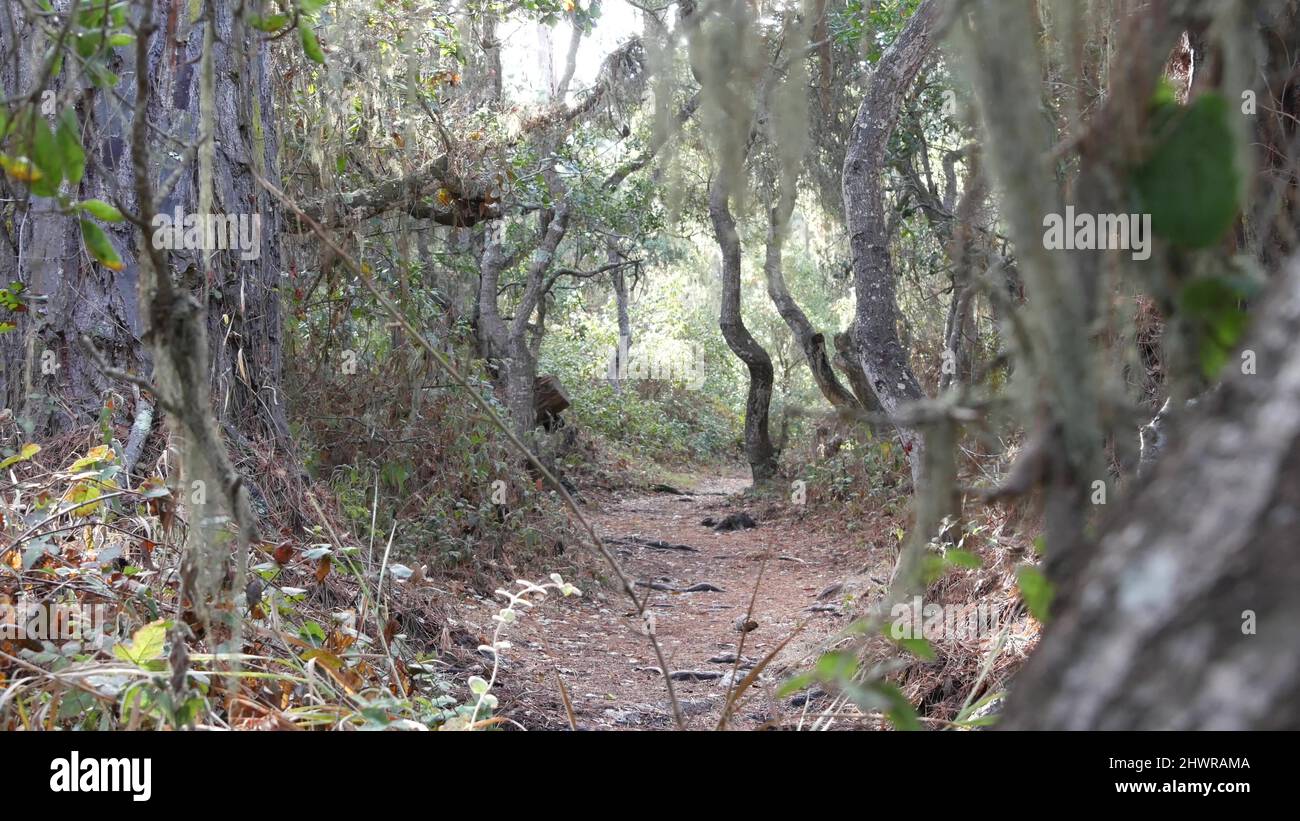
x,y
759,450
882,355
812,343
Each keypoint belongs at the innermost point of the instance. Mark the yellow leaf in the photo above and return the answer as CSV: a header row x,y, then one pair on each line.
x,y
95,455
146,644
21,169
88,491
84,492
28,451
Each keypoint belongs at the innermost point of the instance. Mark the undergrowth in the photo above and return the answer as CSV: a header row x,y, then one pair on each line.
x,y
336,633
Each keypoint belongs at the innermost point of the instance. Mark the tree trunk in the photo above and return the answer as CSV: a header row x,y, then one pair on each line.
x,y
520,382
968,249
847,360
44,376
958,332
619,365
881,353
812,343
506,344
759,451
1185,616
240,296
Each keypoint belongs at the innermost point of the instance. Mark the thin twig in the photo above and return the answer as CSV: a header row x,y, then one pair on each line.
x,y
740,645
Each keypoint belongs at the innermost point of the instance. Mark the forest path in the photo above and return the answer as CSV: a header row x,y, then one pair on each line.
x,y
609,669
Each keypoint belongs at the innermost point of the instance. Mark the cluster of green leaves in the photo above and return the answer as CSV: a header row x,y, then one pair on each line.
x,y
11,300
581,13
855,471
1189,182
98,28
1214,306
301,14
867,688
878,21
670,425
44,159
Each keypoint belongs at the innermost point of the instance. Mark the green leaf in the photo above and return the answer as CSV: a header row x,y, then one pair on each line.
x,y
100,76
918,647
886,697
932,567
101,209
982,721
1213,305
901,713
99,247
312,633
1035,590
1190,183
46,155
839,665
70,150
963,558
310,45
145,646
89,42
91,18
795,684
270,23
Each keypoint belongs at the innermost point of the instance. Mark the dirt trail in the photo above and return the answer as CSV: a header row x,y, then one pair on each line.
x,y
610,671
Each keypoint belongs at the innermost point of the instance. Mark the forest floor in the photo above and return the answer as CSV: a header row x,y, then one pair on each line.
x,y
594,644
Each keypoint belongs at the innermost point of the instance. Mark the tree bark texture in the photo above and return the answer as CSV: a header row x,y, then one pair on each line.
x,y
1158,635
239,296
759,450
881,354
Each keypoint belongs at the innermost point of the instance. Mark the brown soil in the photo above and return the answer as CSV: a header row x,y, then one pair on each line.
x,y
608,667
